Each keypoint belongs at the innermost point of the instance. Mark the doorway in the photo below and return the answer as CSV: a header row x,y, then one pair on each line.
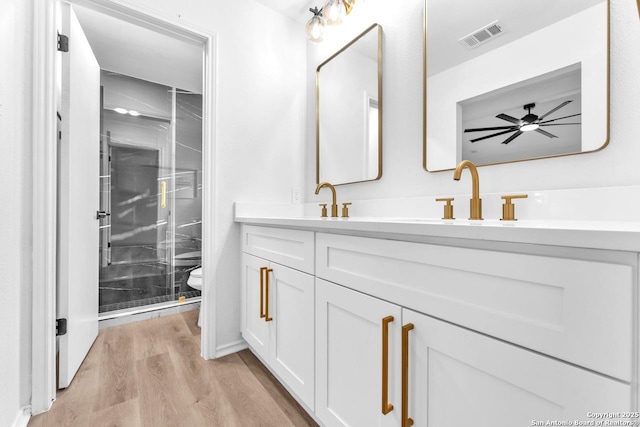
x,y
150,193
46,72
130,242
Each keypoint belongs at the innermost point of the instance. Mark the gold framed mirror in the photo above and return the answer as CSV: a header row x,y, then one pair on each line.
x,y
349,111
507,82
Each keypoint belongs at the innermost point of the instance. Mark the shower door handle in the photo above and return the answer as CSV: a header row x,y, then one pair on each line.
x,y
102,214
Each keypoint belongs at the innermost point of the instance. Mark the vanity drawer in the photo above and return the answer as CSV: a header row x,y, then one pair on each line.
x,y
576,310
292,248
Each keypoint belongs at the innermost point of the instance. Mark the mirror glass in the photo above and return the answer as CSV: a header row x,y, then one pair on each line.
x,y
349,112
511,80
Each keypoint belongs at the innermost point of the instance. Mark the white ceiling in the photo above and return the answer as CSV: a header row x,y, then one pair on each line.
x,y
142,52
298,10
450,20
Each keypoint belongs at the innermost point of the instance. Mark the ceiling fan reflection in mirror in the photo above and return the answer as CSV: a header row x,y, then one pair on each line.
x,y
529,122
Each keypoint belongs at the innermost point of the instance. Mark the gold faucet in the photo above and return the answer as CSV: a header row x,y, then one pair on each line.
x,y
476,201
334,204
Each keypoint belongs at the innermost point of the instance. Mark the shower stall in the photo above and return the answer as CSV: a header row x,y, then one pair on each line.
x,y
150,193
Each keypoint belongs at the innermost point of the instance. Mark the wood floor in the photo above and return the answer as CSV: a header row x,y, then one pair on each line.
x,y
150,373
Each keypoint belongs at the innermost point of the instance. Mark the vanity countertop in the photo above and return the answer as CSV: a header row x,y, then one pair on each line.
x,y
609,235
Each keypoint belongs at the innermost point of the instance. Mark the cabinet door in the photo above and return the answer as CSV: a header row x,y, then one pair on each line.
x,y
291,343
461,378
254,328
349,384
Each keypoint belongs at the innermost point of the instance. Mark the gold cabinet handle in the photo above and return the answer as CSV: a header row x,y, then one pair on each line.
x,y
262,314
386,406
406,421
266,297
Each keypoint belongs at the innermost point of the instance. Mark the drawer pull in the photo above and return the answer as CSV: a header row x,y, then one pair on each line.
x,y
386,406
266,297
262,313
406,421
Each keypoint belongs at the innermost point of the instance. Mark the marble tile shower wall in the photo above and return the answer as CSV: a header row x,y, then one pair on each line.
x,y
138,270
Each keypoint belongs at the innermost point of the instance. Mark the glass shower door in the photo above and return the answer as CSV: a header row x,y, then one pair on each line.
x,y
188,188
137,234
151,170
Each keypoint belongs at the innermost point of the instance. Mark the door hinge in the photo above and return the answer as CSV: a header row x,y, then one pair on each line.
x,y
63,43
61,327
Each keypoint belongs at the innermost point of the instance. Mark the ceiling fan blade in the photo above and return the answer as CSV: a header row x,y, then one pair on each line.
x,y
512,137
492,135
508,118
559,124
554,110
559,118
493,128
545,133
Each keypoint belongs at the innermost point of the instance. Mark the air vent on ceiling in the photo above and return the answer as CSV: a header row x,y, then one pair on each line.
x,y
482,35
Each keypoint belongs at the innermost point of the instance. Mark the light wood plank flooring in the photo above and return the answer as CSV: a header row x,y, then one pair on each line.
x,y
150,373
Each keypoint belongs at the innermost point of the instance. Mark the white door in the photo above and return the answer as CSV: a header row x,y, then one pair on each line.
x,y
291,343
254,327
462,378
349,358
78,203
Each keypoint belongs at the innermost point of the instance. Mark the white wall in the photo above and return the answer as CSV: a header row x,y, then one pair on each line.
x,y
403,175
15,209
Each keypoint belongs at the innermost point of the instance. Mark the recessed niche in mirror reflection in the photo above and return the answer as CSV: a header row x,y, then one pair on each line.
x,y
349,111
505,125
504,85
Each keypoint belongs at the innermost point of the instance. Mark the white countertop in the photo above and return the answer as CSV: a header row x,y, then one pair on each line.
x,y
610,235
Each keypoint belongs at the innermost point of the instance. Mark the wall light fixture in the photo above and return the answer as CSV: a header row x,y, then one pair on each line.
x,y
334,11
315,26
331,14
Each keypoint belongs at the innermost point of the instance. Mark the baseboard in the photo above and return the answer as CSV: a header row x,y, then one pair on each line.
x,y
233,347
22,419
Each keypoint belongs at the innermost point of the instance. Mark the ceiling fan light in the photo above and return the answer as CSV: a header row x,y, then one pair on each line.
x,y
529,127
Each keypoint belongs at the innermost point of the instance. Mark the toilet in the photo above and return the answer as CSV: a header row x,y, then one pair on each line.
x,y
195,281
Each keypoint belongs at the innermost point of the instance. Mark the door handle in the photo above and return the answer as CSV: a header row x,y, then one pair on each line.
x,y
406,421
163,194
262,269
386,406
266,297
102,214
